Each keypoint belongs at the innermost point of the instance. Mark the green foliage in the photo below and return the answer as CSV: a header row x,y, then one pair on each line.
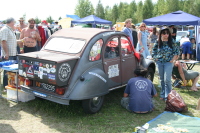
x,y
50,20
123,14
108,13
137,11
115,13
84,8
195,9
161,5
99,12
37,20
59,18
148,9
172,5
4,21
131,11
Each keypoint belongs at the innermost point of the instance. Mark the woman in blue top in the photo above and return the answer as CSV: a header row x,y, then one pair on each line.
x,y
164,53
142,41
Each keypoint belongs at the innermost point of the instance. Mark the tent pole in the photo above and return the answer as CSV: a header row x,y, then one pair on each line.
x,y
197,42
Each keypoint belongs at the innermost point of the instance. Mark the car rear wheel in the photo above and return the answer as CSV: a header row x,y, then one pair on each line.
x,y
150,74
93,105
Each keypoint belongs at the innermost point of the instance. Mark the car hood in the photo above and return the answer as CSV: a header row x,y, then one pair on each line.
x,y
50,56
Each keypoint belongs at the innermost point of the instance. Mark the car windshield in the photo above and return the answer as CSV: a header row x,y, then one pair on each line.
x,y
182,33
67,45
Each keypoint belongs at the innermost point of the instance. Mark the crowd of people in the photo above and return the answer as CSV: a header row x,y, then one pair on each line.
x,y
165,51
23,38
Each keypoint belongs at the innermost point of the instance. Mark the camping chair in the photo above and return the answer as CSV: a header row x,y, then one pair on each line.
x,y
178,84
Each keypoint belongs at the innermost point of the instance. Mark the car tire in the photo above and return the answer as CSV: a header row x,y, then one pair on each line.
x,y
150,74
93,105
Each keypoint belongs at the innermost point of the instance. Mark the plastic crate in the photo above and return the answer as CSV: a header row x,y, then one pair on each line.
x,y
22,96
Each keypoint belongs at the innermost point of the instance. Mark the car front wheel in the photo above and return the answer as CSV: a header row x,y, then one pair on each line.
x,y
93,105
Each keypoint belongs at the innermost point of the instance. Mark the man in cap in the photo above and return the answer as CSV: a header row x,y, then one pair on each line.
x,y
21,25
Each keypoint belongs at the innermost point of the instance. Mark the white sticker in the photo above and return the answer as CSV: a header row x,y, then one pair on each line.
x,y
48,70
113,71
21,72
35,72
40,73
47,65
53,70
64,72
24,74
99,76
30,72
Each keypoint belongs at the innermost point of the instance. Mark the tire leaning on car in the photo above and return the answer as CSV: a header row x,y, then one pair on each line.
x,y
93,105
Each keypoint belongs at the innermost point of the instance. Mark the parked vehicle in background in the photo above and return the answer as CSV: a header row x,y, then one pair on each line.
x,y
81,64
181,34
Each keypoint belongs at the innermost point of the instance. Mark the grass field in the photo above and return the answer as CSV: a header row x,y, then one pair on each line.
x,y
41,116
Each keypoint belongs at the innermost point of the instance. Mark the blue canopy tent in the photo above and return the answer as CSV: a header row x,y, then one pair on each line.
x,y
92,19
178,18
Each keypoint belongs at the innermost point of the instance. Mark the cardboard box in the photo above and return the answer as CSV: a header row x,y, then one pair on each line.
x,y
22,96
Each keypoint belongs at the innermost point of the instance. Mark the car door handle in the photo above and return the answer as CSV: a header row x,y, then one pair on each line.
x,y
105,63
123,60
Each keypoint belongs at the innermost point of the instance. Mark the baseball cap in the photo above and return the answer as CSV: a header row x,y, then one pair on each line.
x,y
45,22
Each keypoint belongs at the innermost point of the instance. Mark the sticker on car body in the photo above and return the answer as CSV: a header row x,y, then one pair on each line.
x,y
99,76
113,71
64,72
39,94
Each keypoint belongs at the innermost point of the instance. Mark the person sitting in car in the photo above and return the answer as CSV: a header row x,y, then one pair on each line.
x,y
112,53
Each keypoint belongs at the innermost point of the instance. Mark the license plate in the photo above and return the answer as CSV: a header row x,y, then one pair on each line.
x,y
47,87
39,94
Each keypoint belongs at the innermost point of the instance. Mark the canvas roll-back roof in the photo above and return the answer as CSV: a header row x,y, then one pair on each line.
x,y
81,33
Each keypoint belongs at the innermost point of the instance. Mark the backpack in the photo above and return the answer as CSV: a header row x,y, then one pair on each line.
x,y
175,102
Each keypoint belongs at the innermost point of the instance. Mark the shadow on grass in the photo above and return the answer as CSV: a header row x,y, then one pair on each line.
x,y
6,128
9,110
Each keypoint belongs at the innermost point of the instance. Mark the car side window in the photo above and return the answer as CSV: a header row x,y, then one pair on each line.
x,y
95,52
125,47
112,48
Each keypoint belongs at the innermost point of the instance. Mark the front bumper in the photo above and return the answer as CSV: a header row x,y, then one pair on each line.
x,y
46,96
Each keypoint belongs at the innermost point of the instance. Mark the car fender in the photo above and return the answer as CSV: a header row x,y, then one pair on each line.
x,y
92,83
146,63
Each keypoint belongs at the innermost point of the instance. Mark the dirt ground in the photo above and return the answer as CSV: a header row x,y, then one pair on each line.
x,y
13,119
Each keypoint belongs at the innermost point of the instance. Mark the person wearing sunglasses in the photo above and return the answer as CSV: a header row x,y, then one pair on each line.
x,y
165,52
142,41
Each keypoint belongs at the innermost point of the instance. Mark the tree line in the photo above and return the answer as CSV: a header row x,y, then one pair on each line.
x,y
136,11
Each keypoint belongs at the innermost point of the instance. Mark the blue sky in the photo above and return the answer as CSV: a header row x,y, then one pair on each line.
x,y
45,8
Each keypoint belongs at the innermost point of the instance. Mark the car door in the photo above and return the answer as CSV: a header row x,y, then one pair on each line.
x,y
128,60
111,60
